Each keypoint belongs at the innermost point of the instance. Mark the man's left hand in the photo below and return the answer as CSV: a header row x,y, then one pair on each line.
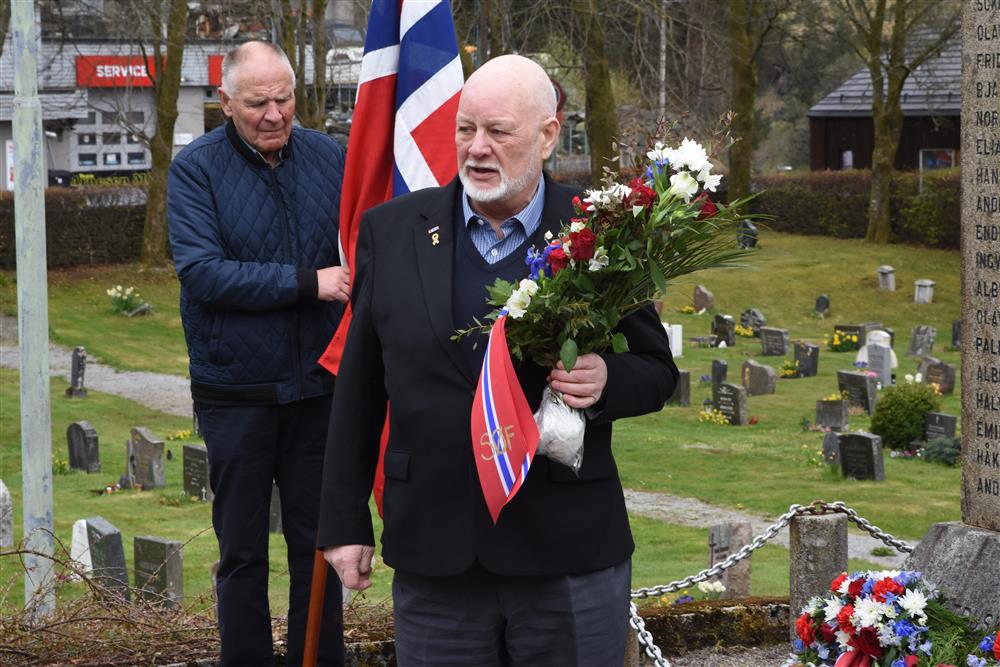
x,y
334,284
584,385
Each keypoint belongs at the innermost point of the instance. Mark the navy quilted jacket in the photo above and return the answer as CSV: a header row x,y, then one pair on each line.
x,y
247,241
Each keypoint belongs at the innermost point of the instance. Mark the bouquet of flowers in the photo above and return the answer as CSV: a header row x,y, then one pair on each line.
x,y
879,619
619,251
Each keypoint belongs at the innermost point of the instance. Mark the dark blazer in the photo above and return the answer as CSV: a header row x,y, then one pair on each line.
x,y
399,349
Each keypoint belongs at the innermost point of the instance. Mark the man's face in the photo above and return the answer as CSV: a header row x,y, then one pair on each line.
x,y
262,104
501,142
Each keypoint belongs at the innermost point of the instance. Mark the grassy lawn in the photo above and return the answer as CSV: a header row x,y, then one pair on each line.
x,y
763,468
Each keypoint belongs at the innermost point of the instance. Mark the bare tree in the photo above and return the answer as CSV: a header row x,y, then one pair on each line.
x,y
602,118
301,26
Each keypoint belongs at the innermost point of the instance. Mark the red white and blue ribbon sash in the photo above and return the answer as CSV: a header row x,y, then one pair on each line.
x,y
504,434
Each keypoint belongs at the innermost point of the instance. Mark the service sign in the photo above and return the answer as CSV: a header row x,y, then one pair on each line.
x,y
114,72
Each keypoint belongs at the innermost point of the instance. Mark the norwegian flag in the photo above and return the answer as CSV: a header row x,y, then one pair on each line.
x,y
411,79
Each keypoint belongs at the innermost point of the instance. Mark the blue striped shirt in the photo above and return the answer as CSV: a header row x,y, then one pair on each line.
x,y
516,229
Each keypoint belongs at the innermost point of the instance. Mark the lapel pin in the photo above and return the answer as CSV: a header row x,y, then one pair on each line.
x,y
435,236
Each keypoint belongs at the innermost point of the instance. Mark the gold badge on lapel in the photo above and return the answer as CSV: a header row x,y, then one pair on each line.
x,y
435,236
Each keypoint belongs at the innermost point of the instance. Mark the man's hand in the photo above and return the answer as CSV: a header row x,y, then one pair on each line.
x,y
334,284
584,385
353,563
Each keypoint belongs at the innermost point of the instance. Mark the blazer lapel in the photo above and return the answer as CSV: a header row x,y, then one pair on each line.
x,y
434,243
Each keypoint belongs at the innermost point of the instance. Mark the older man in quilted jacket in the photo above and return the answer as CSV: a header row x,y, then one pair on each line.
x,y
253,214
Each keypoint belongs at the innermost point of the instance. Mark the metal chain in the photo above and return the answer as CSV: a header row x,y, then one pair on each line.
x,y
816,508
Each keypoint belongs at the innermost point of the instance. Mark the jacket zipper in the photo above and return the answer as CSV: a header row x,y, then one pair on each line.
x,y
297,344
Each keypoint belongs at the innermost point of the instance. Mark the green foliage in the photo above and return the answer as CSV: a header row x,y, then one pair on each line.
x,y
928,207
899,413
943,450
883,552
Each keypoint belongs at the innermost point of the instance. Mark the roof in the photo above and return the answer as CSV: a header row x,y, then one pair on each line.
x,y
71,104
933,89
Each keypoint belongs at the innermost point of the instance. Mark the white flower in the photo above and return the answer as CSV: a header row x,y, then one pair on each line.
x,y
517,304
918,378
831,610
843,638
844,586
868,611
576,226
690,155
683,185
711,181
888,637
722,345
608,198
599,260
528,286
909,378
914,602
658,154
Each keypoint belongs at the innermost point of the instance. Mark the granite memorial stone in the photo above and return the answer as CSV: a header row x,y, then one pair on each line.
x,y
746,234
758,378
817,548
196,480
274,521
833,415
753,319
939,425
84,453
938,373
880,362
731,400
860,388
6,516
159,570
78,368
807,355
145,467
822,304
956,334
921,341
682,392
831,448
773,342
724,329
720,369
923,291
723,541
107,556
887,278
861,456
703,299
79,548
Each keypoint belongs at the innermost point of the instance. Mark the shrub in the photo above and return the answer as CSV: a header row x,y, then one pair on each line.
x,y
899,414
943,450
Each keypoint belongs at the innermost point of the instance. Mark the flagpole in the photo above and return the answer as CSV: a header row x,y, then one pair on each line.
x,y
315,619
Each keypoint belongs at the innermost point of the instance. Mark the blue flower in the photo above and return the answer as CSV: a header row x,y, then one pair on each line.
x,y
798,646
890,598
869,585
903,628
925,648
684,598
823,651
973,661
987,644
898,662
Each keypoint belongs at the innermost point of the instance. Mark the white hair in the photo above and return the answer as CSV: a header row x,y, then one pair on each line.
x,y
236,57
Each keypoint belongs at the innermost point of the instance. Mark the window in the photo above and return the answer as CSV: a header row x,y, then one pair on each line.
x,y
137,158
131,138
89,139
112,159
111,138
88,159
847,159
89,120
136,117
109,117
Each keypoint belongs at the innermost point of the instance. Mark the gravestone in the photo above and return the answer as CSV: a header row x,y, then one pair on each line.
x,y
860,388
861,456
84,454
196,483
107,556
6,516
195,425
887,278
746,234
956,334
682,392
675,334
834,415
921,341
724,540
831,448
822,304
807,355
773,341
933,371
962,558
850,331
703,299
939,425
880,362
159,570
753,319
79,548
923,291
758,378
817,552
145,467
274,520
78,368
724,328
720,368
731,400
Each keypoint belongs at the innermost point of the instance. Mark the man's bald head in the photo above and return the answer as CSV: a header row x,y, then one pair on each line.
x,y
517,77
252,53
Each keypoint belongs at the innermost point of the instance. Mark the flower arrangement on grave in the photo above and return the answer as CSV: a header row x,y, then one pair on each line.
x,y
688,310
886,618
624,245
986,653
124,299
842,341
789,369
743,332
713,416
706,590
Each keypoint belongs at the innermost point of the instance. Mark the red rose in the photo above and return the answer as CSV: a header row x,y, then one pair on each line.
x,y
867,642
854,590
583,243
829,632
708,208
641,195
996,646
912,660
577,205
804,629
844,619
558,260
884,586
835,585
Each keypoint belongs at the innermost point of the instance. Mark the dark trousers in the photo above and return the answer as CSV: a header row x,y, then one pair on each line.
x,y
248,447
490,620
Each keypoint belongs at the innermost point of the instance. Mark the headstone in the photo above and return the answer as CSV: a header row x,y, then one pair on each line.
x,y
159,570
822,304
731,400
807,355
196,483
703,299
724,328
79,548
720,368
753,319
956,334
107,555
746,234
84,454
145,467
860,388
773,342
274,521
861,456
921,341
923,291
887,278
675,334
817,548
940,374
939,425
723,541
6,516
834,415
880,362
682,392
758,378
78,368
831,448
848,333
195,425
